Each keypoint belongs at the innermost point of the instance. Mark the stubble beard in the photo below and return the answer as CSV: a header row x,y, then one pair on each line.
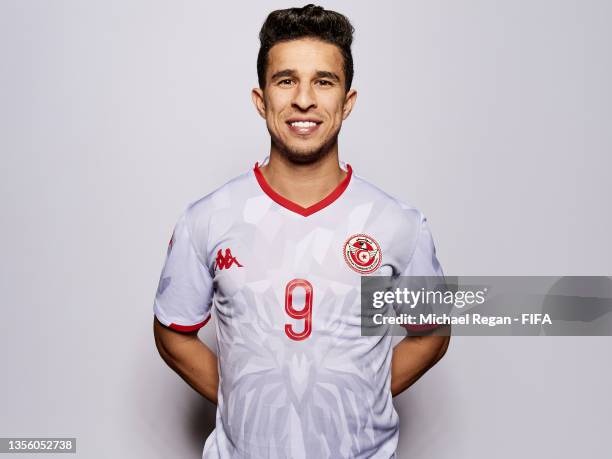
x,y
300,156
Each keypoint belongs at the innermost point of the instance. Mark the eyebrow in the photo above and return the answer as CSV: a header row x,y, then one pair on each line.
x,y
292,72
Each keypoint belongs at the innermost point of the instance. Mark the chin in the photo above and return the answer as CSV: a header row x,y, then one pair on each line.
x,y
303,156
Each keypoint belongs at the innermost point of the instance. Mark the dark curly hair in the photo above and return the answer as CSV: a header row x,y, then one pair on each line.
x,y
308,21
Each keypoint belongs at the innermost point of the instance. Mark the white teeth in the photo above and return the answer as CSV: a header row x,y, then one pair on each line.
x,y
303,124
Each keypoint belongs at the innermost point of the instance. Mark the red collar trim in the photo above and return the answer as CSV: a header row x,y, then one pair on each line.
x,y
304,211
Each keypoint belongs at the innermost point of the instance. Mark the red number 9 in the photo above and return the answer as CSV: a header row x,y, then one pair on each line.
x,y
304,313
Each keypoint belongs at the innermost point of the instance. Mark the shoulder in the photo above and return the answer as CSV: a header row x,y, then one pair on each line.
x,y
387,207
222,198
401,226
208,215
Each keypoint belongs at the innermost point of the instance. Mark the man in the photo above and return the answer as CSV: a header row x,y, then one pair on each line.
x,y
278,253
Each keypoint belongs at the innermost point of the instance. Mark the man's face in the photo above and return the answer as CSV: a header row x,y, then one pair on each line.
x,y
304,101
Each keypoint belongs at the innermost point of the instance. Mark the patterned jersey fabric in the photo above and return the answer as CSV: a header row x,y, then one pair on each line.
x,y
296,378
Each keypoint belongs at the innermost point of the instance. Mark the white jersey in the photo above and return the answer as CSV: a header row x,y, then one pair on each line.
x,y
296,378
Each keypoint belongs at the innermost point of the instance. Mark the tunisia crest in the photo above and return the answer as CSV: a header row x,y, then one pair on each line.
x,y
362,253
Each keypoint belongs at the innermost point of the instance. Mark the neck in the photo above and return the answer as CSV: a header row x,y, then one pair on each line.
x,y
304,184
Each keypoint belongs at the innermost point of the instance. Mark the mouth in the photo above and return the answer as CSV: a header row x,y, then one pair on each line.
x,y
303,126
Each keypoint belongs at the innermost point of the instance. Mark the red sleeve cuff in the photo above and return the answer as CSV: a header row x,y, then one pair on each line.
x,y
421,328
189,328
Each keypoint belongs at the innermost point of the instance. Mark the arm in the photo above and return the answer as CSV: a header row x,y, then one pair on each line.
x,y
190,358
414,355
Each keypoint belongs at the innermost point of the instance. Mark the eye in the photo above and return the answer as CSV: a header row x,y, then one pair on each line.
x,y
325,83
285,81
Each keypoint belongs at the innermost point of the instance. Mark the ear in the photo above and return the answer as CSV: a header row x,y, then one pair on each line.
x,y
349,102
258,100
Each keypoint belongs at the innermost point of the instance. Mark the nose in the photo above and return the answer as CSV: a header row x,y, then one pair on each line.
x,y
304,97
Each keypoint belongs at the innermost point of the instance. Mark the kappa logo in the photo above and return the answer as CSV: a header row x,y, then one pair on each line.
x,y
226,261
362,253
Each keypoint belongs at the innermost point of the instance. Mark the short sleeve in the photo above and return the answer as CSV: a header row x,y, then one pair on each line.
x,y
423,262
184,293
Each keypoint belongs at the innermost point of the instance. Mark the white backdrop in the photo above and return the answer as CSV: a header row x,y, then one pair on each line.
x,y
492,117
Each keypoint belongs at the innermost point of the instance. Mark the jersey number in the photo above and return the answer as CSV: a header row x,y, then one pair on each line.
x,y
304,313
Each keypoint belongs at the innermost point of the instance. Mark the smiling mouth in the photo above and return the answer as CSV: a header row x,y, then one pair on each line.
x,y
303,127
